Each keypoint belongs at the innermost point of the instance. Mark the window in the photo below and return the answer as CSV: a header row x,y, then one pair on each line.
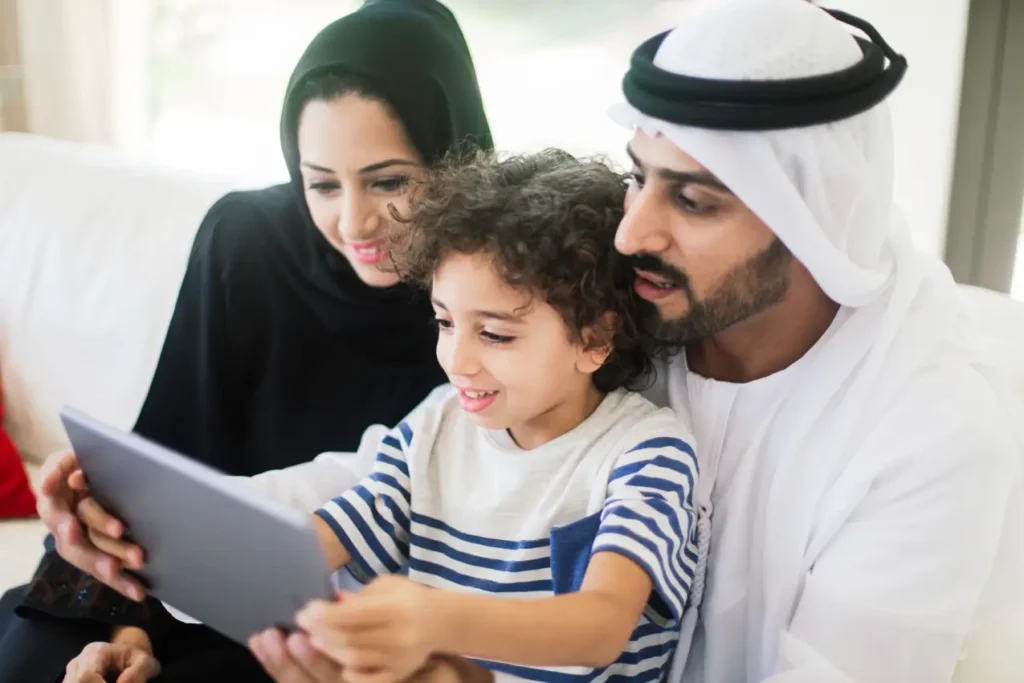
x,y
1017,289
984,245
548,72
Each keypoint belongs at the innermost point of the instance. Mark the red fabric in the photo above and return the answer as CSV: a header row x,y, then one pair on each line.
x,y
16,497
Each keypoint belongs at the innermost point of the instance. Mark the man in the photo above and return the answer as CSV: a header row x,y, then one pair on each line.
x,y
862,479
848,437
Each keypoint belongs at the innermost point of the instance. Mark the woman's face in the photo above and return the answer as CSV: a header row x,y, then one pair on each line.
x,y
356,159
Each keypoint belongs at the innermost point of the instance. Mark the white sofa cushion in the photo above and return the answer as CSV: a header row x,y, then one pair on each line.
x,y
93,251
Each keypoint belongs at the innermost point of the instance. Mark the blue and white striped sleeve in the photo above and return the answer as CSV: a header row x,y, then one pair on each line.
x,y
649,517
372,519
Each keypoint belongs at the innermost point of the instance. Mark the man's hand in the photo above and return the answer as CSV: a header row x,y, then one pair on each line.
x,y
86,535
380,635
123,663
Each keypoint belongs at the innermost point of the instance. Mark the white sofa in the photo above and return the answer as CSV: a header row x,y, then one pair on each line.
x,y
93,247
92,251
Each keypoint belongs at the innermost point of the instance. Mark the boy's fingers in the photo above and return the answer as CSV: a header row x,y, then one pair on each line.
x,y
355,613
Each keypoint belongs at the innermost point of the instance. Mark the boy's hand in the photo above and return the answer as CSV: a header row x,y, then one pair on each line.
x,y
382,633
292,659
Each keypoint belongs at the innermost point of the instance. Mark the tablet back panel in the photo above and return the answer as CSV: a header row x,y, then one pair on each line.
x,y
224,555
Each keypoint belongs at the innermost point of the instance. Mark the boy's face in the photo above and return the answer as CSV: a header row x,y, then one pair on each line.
x,y
509,353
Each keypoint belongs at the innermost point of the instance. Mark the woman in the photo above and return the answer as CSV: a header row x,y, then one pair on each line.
x,y
287,340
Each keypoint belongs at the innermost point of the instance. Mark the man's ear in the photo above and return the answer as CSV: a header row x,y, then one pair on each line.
x,y
597,343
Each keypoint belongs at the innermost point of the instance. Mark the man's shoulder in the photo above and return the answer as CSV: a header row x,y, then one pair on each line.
x,y
950,411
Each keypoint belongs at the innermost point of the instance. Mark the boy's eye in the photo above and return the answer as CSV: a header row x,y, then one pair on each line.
x,y
637,177
497,338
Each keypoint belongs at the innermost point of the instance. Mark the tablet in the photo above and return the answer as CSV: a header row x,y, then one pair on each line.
x,y
234,560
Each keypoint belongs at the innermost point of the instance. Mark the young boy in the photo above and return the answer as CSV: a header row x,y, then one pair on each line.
x,y
543,512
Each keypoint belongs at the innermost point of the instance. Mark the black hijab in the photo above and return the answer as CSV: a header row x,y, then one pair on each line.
x,y
413,53
295,354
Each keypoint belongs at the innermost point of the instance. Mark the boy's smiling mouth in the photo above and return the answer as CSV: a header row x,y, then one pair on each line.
x,y
476,400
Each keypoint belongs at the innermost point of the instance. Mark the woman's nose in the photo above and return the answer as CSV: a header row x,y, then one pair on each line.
x,y
358,219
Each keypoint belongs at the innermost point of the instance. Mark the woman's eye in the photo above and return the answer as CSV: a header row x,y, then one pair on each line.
x,y
493,338
443,324
391,184
324,187
637,177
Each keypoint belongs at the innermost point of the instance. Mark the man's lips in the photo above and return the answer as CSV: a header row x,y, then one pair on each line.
x,y
656,280
653,287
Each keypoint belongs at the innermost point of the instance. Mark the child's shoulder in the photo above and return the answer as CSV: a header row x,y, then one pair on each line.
x,y
639,416
439,414
644,430
437,402
423,423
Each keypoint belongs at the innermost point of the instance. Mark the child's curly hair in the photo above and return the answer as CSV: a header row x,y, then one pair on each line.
x,y
548,220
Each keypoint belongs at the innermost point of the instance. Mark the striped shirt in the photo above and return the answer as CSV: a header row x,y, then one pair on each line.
x,y
463,508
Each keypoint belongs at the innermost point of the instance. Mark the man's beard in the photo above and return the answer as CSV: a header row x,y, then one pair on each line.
x,y
749,288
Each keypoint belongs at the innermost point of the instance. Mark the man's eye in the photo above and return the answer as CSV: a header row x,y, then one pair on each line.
x,y
693,206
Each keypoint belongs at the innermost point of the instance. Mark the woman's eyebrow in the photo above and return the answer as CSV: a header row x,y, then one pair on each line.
x,y
387,163
316,167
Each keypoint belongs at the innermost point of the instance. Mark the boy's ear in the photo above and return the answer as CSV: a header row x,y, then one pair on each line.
x,y
597,343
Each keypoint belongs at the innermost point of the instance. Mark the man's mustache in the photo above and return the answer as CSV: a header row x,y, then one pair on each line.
x,y
655,266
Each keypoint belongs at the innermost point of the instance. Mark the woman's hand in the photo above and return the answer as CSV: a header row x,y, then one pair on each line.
x,y
129,660
86,535
381,634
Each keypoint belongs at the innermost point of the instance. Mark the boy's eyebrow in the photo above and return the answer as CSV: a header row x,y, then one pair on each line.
x,y
705,178
499,315
504,316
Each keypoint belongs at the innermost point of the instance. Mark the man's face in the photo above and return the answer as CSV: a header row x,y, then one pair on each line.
x,y
703,259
